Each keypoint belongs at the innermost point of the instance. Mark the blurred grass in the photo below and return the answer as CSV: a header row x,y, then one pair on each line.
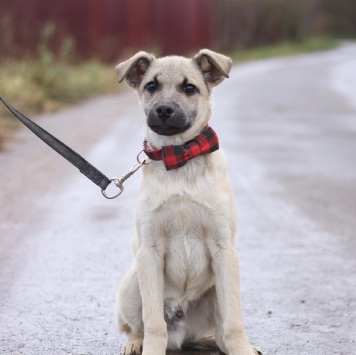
x,y
283,49
33,86
47,84
49,81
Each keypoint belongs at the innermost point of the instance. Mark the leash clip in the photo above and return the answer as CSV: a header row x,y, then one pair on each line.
x,y
120,182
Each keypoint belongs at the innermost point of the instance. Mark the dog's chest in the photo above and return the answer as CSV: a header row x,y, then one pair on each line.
x,y
187,268
185,226
182,214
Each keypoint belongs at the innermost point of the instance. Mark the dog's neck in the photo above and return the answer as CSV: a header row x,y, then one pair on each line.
x,y
176,156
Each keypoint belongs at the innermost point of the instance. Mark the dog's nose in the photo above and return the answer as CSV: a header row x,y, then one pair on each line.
x,y
164,112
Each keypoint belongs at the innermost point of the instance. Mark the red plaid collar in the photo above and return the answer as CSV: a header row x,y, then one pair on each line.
x,y
175,156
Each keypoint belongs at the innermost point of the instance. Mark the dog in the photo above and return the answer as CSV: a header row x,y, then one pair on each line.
x,y
183,289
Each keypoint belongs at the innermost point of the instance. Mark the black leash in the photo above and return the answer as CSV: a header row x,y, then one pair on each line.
x,y
92,173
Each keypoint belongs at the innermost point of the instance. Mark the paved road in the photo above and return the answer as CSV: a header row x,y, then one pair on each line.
x,y
288,127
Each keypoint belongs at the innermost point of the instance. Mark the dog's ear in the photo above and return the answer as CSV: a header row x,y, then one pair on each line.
x,y
214,66
134,69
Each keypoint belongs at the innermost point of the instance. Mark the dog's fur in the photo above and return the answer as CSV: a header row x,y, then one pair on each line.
x,y
184,285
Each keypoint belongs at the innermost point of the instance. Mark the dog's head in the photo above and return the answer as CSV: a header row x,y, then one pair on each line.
x,y
175,92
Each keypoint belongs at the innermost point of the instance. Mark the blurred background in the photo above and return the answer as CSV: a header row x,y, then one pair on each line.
x,y
56,52
106,29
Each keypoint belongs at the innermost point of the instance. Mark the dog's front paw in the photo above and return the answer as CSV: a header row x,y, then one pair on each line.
x,y
153,349
133,347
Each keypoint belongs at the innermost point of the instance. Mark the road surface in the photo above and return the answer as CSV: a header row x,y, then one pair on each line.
x,y
288,127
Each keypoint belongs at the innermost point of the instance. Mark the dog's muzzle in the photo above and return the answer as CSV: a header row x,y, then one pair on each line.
x,y
167,119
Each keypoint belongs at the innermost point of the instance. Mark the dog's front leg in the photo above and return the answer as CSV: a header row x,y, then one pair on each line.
x,y
151,281
230,331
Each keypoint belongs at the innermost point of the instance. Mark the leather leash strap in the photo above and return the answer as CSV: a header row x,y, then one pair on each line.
x,y
84,166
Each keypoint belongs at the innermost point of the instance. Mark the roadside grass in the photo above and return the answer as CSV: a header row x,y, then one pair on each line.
x,y
34,87
45,85
283,49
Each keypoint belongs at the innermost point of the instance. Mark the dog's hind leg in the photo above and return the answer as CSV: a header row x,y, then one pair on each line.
x,y
134,342
133,346
129,313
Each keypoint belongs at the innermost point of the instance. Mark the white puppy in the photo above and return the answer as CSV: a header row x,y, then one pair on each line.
x,y
184,285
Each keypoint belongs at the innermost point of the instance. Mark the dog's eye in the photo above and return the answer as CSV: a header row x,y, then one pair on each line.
x,y
189,89
151,86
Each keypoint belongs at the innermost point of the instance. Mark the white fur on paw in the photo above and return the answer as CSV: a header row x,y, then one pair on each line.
x,y
132,348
